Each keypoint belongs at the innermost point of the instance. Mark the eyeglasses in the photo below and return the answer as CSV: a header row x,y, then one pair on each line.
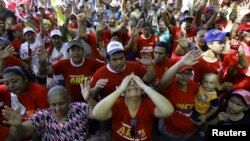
x,y
133,123
188,74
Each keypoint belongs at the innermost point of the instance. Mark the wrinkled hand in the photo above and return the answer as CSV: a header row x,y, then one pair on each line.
x,y
13,118
146,58
85,87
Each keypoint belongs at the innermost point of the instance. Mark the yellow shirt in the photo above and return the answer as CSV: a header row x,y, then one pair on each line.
x,y
203,99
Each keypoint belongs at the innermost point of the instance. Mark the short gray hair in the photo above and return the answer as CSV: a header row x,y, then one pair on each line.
x,y
58,90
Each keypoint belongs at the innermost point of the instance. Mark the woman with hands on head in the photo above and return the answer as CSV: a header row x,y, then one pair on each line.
x,y
62,121
133,114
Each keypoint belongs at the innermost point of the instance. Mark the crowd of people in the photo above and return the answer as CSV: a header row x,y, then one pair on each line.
x,y
123,70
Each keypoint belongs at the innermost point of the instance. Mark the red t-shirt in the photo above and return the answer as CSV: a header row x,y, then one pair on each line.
x,y
147,44
12,61
179,122
94,46
121,121
74,76
35,98
115,79
217,67
16,43
160,69
176,33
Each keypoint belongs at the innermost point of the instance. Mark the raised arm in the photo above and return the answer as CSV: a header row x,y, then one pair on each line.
x,y
189,59
102,110
163,107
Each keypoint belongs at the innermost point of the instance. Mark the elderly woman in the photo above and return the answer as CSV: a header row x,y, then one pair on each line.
x,y
62,121
133,114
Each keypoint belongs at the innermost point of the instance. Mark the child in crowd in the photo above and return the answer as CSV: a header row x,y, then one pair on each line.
x,y
206,100
234,110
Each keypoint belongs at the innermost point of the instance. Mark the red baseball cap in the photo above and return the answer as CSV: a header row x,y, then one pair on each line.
x,y
17,27
186,68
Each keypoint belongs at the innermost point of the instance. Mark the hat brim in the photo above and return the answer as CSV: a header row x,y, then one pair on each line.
x,y
114,51
186,68
220,37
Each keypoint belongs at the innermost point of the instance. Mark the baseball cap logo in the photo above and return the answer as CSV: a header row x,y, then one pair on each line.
x,y
215,32
114,45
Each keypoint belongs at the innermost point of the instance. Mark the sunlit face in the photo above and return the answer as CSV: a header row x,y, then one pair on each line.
x,y
76,54
217,46
133,90
117,61
15,83
236,105
184,76
59,104
209,83
159,55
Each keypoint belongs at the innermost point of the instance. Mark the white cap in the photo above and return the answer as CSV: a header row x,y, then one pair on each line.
x,y
55,32
27,29
113,4
184,8
170,2
113,47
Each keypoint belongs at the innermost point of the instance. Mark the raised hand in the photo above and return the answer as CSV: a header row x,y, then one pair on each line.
x,y
13,118
85,87
101,83
139,82
102,49
125,82
146,58
191,58
6,52
42,53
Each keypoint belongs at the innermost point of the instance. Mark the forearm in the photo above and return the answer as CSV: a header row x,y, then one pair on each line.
x,y
1,65
42,68
150,74
170,73
243,59
211,112
102,108
162,104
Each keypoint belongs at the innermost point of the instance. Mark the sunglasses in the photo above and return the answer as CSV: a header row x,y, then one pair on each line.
x,y
133,131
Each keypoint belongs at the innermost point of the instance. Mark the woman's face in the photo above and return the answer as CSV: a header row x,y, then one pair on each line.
x,y
59,104
184,76
236,105
15,83
133,90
